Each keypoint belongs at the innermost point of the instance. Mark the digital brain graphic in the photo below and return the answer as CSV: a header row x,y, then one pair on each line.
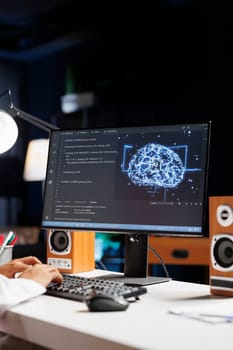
x,y
156,165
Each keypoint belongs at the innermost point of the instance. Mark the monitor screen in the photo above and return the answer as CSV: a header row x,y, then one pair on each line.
x,y
134,180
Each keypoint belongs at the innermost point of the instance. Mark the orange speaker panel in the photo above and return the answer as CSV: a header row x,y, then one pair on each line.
x,y
180,250
221,245
71,251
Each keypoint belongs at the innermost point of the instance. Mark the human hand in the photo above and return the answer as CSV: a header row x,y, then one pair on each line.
x,y
18,265
42,273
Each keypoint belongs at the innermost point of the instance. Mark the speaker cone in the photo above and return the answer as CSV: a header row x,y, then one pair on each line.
x,y
59,240
223,252
224,215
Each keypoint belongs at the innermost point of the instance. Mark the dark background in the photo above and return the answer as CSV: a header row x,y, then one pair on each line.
x,y
168,62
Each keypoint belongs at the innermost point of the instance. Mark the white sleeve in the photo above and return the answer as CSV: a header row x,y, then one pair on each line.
x,y
15,290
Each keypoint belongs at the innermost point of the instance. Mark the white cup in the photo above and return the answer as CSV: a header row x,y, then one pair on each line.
x,y
6,254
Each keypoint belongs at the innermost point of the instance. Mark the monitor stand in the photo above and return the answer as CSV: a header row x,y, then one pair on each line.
x,y
136,262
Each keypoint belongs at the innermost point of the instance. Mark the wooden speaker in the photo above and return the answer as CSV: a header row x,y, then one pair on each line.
x,y
71,251
221,245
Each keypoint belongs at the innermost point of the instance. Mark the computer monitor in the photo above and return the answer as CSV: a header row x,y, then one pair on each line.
x,y
138,181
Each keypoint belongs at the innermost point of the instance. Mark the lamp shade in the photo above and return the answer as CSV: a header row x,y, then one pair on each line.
x,y
36,160
8,131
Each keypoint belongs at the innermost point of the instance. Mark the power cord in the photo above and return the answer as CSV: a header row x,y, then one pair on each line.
x,y
160,259
103,267
99,262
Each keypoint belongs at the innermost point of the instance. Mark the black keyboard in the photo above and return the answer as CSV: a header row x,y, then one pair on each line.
x,y
81,288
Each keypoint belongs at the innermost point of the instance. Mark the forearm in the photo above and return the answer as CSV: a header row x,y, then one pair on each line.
x,y
16,290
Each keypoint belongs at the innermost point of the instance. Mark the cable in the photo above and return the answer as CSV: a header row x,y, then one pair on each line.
x,y
103,267
160,259
153,251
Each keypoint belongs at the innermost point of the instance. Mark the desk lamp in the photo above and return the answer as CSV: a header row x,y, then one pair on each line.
x,y
8,126
8,137
9,132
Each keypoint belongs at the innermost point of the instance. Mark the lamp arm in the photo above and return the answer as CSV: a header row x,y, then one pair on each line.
x,y
15,112
31,119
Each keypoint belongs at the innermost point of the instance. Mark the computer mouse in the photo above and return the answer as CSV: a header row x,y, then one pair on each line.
x,y
103,302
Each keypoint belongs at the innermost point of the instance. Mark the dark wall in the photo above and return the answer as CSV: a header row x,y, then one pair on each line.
x,y
166,64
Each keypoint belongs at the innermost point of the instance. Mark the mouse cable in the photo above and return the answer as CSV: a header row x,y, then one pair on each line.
x,y
160,259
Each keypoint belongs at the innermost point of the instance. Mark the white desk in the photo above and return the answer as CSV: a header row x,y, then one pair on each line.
x,y
62,324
